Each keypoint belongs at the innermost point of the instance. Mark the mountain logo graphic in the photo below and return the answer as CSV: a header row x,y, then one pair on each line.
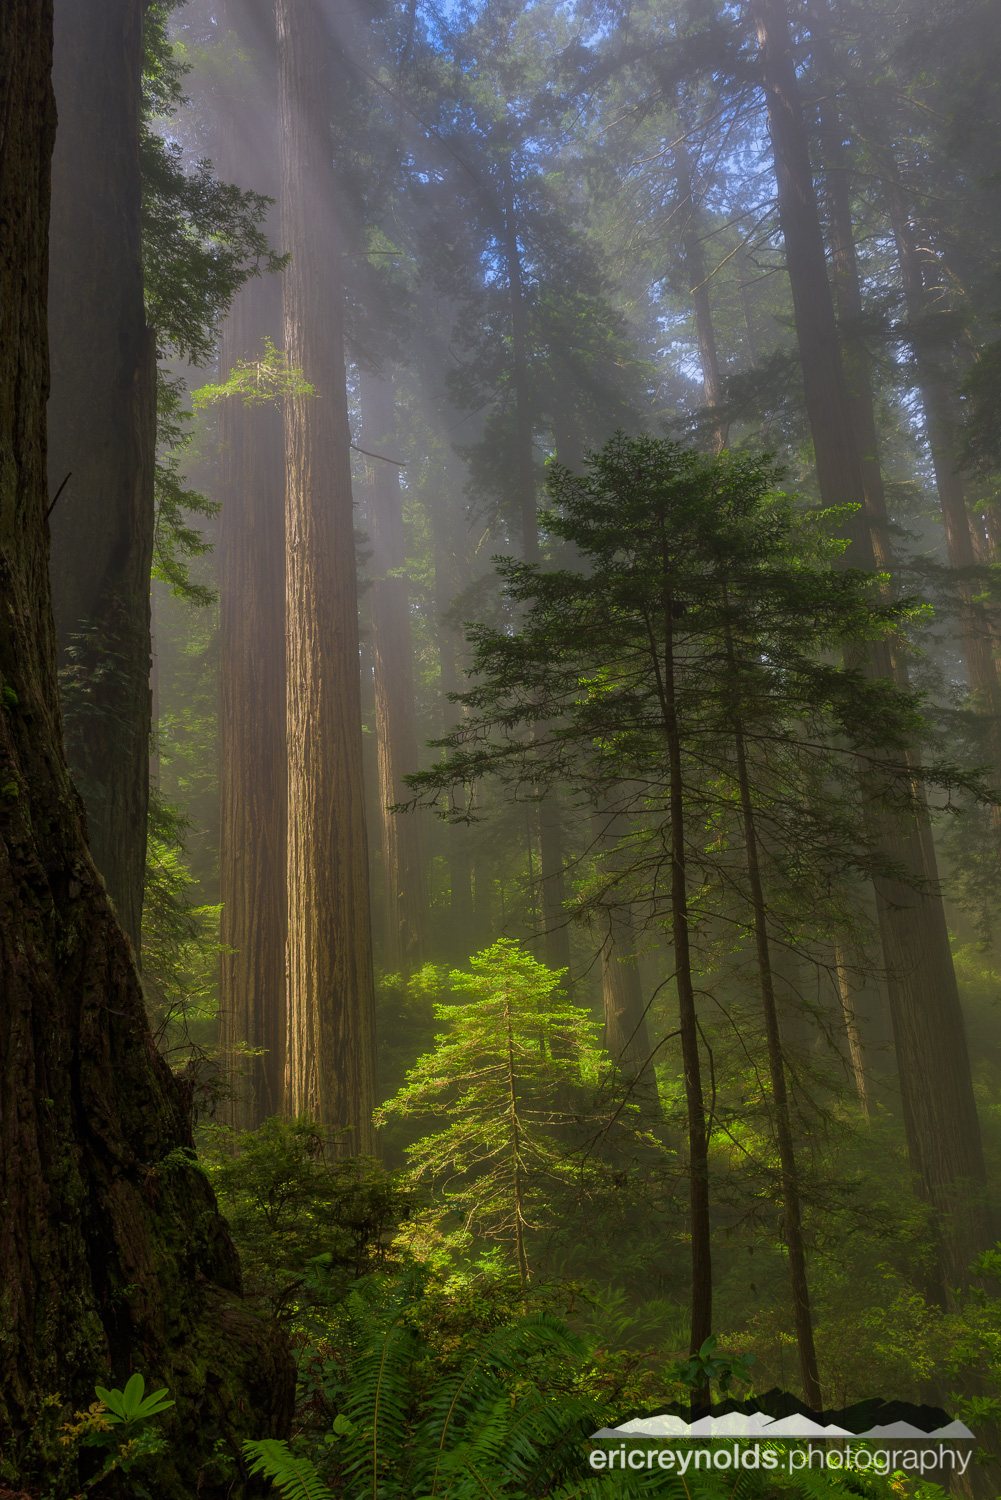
x,y
777,1415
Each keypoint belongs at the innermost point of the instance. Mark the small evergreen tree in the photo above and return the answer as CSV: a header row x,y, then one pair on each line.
x,y
497,1086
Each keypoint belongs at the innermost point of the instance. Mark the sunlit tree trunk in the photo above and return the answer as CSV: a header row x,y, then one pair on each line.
x,y
937,1095
403,860
102,432
252,755
331,1039
113,1257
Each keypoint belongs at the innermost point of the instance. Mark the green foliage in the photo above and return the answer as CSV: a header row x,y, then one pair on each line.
x,y
269,380
512,1414
500,1081
175,541
180,940
201,237
708,1368
132,1405
119,1423
293,1473
306,1223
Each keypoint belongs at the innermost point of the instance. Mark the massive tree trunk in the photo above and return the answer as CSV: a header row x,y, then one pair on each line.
x,y
403,872
331,1007
253,774
937,1094
102,433
113,1257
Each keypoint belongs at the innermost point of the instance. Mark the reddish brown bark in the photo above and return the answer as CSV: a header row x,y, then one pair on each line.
x,y
252,754
330,1069
113,1256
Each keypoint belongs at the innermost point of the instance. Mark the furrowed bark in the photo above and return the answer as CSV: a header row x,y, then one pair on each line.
x,y
252,754
113,1257
331,1035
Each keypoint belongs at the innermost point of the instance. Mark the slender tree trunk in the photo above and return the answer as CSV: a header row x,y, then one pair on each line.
x,y
403,861
698,1135
695,271
113,1256
519,1193
253,774
937,1095
331,1035
793,1225
102,432
856,1048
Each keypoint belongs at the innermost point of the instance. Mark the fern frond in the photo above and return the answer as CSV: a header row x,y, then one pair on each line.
x,y
295,1476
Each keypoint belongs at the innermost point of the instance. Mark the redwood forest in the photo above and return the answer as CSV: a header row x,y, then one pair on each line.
x,y
500,748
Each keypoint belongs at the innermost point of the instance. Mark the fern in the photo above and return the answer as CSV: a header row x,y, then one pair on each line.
x,y
295,1476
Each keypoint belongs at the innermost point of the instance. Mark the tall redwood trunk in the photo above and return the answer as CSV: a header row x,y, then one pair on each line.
x,y
331,1032
113,1257
403,862
937,1095
102,432
549,829
252,774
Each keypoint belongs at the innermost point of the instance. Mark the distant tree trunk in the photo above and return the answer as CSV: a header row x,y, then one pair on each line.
x,y
331,1035
937,1094
403,863
113,1257
627,1036
942,430
102,432
695,271
550,833
252,752
856,1048
450,574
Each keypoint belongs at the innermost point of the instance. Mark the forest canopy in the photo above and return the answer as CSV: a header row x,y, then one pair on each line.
x,y
500,751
